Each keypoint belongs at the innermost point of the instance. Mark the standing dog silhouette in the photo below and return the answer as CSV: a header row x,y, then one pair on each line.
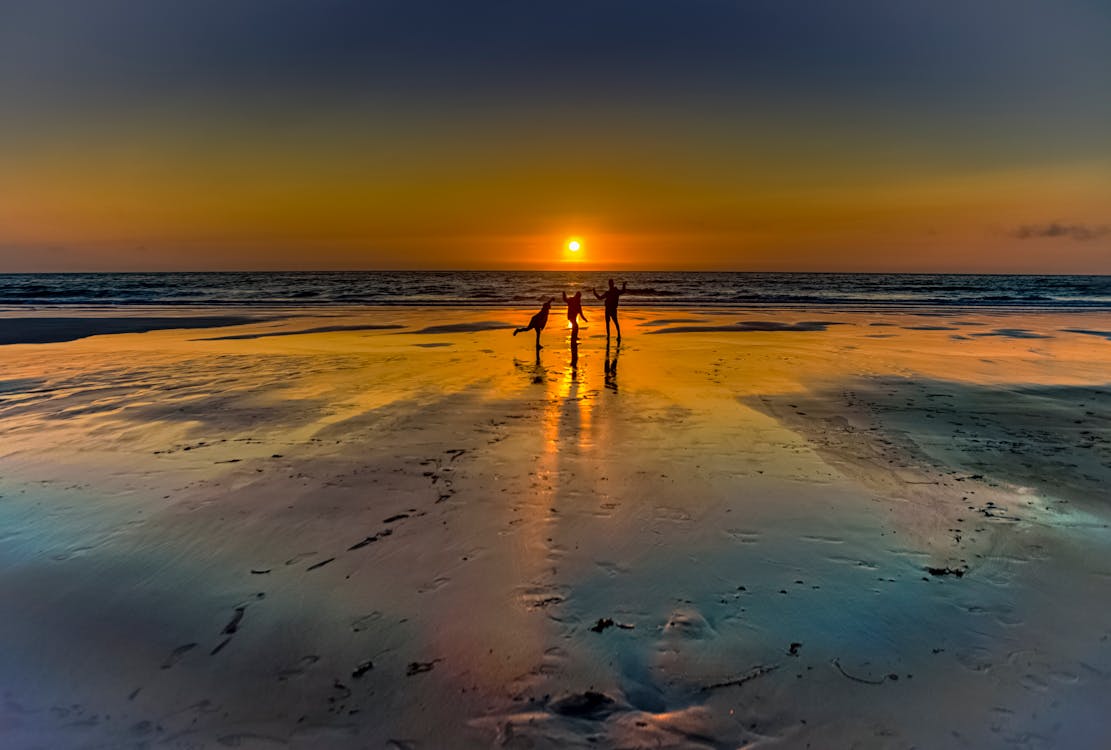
x,y
538,321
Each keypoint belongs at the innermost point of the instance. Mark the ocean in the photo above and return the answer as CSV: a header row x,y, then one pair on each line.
x,y
525,288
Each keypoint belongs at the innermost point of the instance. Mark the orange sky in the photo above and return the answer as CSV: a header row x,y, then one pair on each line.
x,y
156,143
244,204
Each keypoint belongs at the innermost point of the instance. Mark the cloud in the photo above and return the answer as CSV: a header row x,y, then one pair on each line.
x,y
1054,229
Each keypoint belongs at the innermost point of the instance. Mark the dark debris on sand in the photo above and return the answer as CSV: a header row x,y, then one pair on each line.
x,y
864,680
748,677
947,571
603,623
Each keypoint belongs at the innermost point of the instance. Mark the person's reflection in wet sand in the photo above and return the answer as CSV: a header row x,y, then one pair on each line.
x,y
539,372
574,351
611,366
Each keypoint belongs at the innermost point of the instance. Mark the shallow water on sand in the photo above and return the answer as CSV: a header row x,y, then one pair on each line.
x,y
780,529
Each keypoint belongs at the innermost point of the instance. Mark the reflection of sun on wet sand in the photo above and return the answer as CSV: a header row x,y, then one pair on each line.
x,y
338,532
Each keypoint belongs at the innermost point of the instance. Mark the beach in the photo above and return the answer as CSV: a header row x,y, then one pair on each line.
x,y
403,527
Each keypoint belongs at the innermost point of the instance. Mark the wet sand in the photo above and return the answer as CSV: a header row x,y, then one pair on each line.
x,y
50,330
401,528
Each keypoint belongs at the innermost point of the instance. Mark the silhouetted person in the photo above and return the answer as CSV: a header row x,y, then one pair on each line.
x,y
574,311
612,296
538,321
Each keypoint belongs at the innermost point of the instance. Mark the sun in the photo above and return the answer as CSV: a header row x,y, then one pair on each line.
x,y
574,250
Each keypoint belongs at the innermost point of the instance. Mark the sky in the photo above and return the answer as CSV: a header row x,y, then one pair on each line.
x,y
878,135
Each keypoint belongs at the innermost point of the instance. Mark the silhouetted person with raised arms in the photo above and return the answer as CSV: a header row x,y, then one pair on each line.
x,y
574,311
538,321
612,296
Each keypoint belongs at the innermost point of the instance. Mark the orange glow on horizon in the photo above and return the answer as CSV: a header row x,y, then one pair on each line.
x,y
142,201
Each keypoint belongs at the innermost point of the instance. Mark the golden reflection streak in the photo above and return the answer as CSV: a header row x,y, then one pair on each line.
x,y
565,433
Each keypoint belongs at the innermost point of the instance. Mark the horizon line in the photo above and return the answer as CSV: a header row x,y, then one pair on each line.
x,y
543,270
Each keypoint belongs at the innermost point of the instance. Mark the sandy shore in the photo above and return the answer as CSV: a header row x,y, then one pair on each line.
x,y
52,330
402,528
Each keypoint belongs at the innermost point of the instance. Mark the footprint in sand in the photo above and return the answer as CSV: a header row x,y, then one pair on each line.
x,y
302,666
1035,683
237,617
141,728
435,584
74,552
744,536
1065,678
359,624
420,667
537,680
667,513
542,597
612,568
511,527
975,659
177,654
823,539
688,624
250,740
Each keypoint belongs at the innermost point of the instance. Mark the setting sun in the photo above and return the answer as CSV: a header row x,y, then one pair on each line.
x,y
573,250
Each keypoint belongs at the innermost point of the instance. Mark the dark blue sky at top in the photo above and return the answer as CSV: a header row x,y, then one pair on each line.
x,y
1042,61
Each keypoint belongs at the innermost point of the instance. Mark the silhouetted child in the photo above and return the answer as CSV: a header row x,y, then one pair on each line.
x,y
574,311
612,296
538,321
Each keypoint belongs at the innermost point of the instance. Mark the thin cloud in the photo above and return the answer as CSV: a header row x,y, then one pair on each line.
x,y
1054,229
